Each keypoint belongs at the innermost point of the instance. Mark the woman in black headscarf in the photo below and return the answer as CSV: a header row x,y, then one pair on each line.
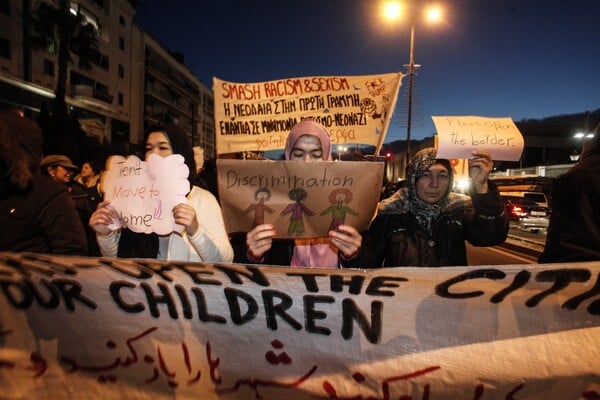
x,y
425,224
204,237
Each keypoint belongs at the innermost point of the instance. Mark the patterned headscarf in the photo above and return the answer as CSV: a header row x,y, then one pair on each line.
x,y
424,212
312,128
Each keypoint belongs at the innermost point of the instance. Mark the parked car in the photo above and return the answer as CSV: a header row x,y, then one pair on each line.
x,y
519,207
527,214
533,224
540,198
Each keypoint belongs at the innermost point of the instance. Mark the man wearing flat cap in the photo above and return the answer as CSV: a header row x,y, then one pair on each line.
x,y
58,167
61,169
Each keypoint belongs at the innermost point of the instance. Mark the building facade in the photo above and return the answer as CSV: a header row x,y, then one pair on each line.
x,y
134,82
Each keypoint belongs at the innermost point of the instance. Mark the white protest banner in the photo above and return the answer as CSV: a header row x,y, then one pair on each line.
x,y
144,192
300,199
88,328
458,136
258,116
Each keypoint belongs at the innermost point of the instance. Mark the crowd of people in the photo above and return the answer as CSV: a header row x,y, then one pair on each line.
x,y
50,205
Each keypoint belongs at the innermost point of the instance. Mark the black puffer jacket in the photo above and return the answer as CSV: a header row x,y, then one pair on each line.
x,y
395,238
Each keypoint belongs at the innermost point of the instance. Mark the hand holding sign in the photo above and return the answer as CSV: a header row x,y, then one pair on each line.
x,y
145,195
480,167
459,136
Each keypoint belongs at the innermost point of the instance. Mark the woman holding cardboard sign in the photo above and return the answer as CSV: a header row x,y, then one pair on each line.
x,y
426,225
204,237
308,141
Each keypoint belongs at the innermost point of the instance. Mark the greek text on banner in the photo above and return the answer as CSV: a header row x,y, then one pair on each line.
x,y
258,116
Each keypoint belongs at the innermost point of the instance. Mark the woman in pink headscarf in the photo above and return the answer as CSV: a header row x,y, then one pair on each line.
x,y
308,141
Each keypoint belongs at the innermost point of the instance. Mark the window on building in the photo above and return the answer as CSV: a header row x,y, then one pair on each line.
x,y
121,71
101,60
121,20
4,7
89,16
48,67
120,98
121,43
4,48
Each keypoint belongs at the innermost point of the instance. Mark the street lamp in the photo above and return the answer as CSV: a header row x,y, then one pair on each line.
x,y
574,156
341,150
391,11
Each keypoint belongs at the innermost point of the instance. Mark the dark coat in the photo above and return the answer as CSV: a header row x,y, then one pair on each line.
x,y
574,230
395,238
36,214
41,219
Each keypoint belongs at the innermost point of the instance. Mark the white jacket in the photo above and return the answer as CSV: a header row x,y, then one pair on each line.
x,y
209,244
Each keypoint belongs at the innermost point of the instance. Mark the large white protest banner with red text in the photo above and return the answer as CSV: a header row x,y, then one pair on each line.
x,y
258,116
88,328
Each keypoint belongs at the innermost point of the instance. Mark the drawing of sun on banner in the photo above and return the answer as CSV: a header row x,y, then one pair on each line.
x,y
258,116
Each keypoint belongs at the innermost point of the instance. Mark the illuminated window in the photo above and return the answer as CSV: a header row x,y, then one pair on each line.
x,y
88,15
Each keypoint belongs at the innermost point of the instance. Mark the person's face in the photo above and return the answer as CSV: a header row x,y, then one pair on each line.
x,y
86,170
158,143
61,174
307,148
433,185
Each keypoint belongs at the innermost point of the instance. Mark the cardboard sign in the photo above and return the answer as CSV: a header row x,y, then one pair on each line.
x,y
301,199
458,136
87,328
144,193
259,116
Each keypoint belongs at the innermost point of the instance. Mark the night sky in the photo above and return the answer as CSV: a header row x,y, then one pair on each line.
x,y
496,58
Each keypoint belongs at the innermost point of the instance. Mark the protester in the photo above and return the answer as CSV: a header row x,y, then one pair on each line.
x,y
574,230
61,169
204,237
425,225
36,214
89,175
89,179
308,141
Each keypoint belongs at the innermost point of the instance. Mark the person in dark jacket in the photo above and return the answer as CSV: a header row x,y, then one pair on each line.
x,y
425,224
62,170
36,214
574,230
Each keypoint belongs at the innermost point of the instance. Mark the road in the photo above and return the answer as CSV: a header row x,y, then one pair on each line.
x,y
497,255
521,248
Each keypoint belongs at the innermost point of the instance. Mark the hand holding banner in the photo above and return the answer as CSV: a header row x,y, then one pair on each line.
x,y
300,199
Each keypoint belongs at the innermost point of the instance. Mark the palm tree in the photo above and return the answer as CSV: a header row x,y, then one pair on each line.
x,y
55,29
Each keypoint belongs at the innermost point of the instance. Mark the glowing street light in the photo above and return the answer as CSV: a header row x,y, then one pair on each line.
x,y
341,150
391,11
